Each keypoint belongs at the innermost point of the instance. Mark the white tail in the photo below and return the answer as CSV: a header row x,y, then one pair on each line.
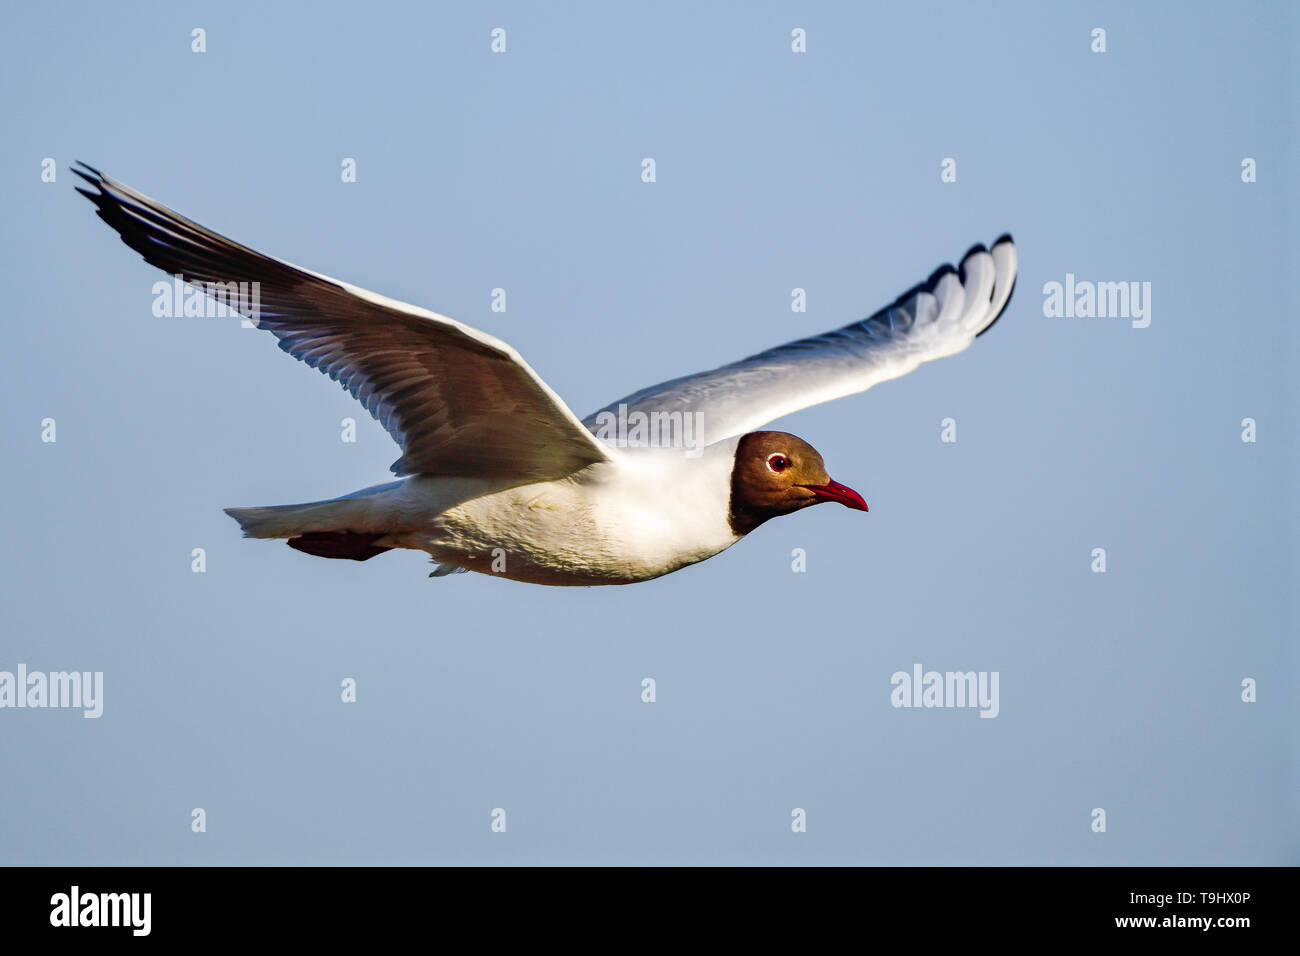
x,y
356,512
286,521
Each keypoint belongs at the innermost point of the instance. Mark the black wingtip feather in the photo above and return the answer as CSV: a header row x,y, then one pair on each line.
x,y
932,283
1005,237
97,183
961,269
915,290
1006,305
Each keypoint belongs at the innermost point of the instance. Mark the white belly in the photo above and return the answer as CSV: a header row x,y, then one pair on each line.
x,y
605,525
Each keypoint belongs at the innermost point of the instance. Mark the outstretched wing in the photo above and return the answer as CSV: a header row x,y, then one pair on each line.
x,y
939,317
458,401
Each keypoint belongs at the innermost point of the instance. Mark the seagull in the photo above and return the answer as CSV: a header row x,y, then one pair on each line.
x,y
497,475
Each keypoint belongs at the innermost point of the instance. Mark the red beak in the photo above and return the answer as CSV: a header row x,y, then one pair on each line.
x,y
834,491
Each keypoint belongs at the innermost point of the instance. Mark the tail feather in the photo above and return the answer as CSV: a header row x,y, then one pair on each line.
x,y
286,521
346,527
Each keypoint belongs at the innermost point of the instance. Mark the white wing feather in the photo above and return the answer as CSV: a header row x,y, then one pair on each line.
x,y
940,317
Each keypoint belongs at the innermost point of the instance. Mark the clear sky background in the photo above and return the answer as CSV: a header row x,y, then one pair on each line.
x,y
775,170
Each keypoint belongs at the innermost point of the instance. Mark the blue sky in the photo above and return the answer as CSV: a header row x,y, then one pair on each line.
x,y
775,170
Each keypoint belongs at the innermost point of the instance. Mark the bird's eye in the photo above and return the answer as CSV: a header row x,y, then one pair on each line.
x,y
778,463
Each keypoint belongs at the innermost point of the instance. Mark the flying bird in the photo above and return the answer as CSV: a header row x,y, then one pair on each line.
x,y
498,476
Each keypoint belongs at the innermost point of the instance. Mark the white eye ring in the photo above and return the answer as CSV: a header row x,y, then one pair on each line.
x,y
778,463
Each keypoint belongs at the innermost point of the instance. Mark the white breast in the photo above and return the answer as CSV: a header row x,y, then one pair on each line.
x,y
644,515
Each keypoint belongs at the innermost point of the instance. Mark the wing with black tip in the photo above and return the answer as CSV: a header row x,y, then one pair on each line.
x,y
458,401
939,317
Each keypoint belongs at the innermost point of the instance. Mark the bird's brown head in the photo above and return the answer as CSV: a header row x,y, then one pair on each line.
x,y
776,473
